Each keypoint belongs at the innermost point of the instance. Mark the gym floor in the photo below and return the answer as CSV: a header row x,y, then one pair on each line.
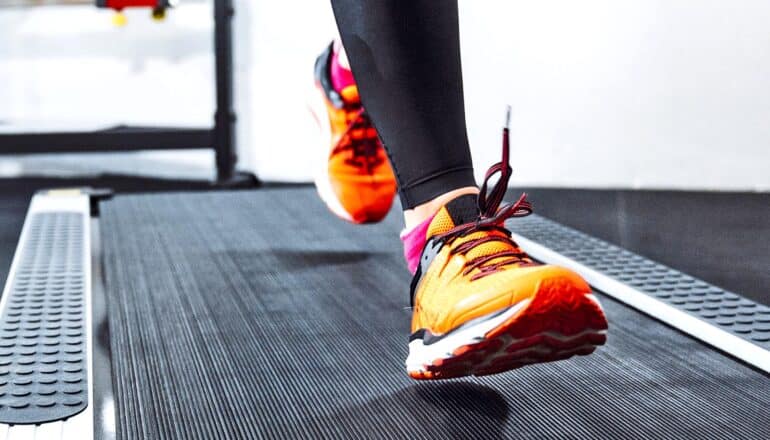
x,y
719,237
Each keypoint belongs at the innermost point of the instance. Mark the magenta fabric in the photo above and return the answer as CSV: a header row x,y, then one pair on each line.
x,y
414,241
340,76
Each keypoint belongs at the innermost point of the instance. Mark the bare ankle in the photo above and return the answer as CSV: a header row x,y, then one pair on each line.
x,y
420,213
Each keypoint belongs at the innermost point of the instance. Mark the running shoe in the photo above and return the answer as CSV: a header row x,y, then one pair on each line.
x,y
354,178
482,305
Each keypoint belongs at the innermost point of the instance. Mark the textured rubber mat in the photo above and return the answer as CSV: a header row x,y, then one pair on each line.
x,y
43,371
259,315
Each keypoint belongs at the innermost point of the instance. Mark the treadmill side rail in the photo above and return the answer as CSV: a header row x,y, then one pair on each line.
x,y
45,327
717,317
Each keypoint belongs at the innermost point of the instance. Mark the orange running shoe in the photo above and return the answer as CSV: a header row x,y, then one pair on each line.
x,y
355,179
482,306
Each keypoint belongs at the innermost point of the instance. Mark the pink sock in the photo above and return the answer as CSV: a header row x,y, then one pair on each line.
x,y
414,241
341,76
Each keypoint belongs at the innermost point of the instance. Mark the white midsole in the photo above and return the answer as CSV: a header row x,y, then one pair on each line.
x,y
421,355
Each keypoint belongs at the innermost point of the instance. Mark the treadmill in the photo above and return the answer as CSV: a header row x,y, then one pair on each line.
x,y
255,314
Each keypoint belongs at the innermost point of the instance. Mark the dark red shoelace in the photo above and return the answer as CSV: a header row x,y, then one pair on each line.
x,y
492,217
360,138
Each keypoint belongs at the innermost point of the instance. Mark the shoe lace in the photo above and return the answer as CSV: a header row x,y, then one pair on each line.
x,y
492,218
361,139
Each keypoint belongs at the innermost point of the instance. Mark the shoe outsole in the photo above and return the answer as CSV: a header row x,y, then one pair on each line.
x,y
557,323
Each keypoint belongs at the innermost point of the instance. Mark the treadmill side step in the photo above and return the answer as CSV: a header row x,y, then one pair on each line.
x,y
45,307
723,319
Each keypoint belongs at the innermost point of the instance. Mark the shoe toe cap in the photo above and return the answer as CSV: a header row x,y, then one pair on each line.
x,y
498,292
365,200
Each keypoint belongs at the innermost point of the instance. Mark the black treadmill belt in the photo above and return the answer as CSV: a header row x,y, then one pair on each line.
x,y
260,315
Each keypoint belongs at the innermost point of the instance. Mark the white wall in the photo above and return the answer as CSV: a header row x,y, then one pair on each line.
x,y
641,94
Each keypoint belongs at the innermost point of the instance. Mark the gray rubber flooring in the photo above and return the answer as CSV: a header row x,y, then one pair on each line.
x,y
259,315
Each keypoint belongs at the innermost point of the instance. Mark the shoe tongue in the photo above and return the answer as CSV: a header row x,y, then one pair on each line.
x,y
350,95
463,209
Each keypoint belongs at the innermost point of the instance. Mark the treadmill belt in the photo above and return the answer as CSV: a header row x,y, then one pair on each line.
x,y
260,315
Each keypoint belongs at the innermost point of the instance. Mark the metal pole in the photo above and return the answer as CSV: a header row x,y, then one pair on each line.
x,y
224,118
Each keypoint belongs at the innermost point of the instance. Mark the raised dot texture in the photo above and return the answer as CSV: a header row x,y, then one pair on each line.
x,y
726,310
40,356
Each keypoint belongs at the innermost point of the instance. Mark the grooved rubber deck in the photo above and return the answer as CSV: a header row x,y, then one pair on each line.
x,y
260,315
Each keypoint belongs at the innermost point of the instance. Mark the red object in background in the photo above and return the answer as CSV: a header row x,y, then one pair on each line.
x,y
122,4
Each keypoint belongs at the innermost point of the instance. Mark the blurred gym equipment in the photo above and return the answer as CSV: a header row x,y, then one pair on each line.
x,y
220,137
158,7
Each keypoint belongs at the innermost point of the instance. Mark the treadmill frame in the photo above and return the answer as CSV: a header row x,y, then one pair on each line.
x,y
220,137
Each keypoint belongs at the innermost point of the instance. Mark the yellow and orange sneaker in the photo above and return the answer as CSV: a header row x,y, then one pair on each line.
x,y
354,178
481,305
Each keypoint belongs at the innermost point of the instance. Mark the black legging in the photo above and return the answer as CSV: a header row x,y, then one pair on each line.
x,y
405,56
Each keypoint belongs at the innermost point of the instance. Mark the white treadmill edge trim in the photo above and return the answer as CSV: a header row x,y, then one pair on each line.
x,y
79,426
668,314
